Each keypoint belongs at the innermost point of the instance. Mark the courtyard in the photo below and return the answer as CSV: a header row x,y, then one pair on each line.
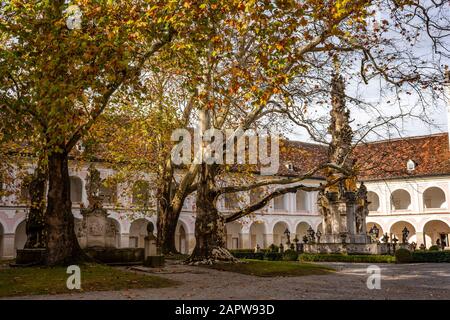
x,y
398,281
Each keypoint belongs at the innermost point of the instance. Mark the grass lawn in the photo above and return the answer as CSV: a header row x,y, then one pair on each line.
x,y
94,277
262,268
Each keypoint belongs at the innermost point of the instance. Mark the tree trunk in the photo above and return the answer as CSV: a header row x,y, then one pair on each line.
x,y
166,224
35,225
62,243
210,246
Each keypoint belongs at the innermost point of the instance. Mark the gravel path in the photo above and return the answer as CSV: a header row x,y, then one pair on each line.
x,y
408,281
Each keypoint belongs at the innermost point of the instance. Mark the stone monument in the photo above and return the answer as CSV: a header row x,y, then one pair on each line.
x,y
152,256
342,204
96,229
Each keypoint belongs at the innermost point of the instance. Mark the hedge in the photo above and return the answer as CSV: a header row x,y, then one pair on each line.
x,y
431,256
273,256
290,255
336,257
403,256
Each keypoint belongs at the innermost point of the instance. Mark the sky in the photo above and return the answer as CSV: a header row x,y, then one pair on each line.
x,y
431,119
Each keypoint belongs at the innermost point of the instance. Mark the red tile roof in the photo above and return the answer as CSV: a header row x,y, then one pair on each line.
x,y
377,160
387,159
302,156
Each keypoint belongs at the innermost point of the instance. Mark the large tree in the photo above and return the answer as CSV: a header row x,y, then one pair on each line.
x,y
319,38
63,75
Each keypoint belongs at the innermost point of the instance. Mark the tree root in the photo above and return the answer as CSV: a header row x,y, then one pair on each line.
x,y
215,255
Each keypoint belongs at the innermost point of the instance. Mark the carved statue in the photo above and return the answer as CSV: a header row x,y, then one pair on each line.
x,y
324,210
405,234
342,204
93,184
362,208
311,235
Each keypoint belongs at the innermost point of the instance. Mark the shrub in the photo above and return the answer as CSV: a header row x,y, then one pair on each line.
x,y
337,257
403,256
290,255
431,256
273,256
433,248
273,248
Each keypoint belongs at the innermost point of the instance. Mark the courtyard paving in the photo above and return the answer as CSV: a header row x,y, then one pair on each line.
x,y
407,281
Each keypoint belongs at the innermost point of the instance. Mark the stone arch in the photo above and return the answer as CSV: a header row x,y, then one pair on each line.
x,y
138,232
400,200
434,230
233,235
319,227
20,236
257,234
76,189
301,230
381,231
434,198
301,200
397,228
374,200
181,238
278,232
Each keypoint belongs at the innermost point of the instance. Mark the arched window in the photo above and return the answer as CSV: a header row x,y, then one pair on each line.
x,y
400,200
301,230
436,232
141,193
374,200
397,230
279,233
257,234
434,198
233,235
181,243
76,189
20,236
138,232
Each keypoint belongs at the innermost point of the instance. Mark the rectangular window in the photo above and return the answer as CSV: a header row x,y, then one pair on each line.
x,y
279,203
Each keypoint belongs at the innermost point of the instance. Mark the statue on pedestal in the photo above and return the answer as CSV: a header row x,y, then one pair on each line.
x,y
362,209
342,204
405,234
95,217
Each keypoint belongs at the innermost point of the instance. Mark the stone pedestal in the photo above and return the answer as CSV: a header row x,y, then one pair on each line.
x,y
30,256
150,246
152,256
9,251
351,248
96,229
342,220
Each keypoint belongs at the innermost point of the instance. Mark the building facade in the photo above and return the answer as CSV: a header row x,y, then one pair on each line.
x,y
408,182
